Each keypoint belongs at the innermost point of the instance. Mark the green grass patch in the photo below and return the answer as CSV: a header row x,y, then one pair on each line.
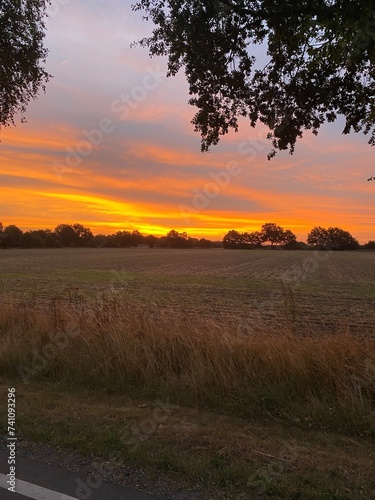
x,y
232,456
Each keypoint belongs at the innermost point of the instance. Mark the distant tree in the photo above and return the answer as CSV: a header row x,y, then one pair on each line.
x,y
50,240
370,245
151,240
270,232
83,235
129,239
163,241
174,239
31,239
343,239
273,233
22,55
193,242
333,238
318,237
27,240
99,240
124,239
75,235
233,239
203,243
40,232
136,238
66,235
254,239
12,235
173,234
112,241
289,237
295,245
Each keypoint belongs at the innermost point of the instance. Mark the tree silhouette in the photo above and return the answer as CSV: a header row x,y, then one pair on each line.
x,y
66,234
273,233
204,243
233,239
289,237
333,238
270,232
320,63
22,55
12,236
254,238
77,235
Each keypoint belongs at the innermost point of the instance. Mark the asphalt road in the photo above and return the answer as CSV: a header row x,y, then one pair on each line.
x,y
41,481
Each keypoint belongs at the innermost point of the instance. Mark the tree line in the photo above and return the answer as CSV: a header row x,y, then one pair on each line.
x,y
271,234
333,238
77,235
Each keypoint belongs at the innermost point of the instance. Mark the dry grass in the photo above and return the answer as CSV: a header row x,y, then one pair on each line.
x,y
324,380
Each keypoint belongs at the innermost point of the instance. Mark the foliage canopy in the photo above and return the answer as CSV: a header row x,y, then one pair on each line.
x,y
319,63
271,232
333,238
22,55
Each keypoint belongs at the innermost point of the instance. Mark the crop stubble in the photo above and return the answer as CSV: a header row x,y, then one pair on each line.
x,y
301,290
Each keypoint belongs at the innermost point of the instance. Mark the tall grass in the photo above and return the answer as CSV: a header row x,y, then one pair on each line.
x,y
324,380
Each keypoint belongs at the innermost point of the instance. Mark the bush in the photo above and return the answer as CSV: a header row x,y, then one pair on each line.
x,y
370,245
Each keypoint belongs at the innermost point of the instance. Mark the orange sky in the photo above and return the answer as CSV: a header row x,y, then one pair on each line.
x,y
110,145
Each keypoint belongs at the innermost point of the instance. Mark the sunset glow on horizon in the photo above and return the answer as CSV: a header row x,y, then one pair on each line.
x,y
110,145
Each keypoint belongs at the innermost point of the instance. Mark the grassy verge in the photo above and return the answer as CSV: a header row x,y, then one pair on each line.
x,y
324,381
220,455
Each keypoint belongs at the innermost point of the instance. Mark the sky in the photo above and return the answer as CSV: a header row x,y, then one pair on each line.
x,y
110,145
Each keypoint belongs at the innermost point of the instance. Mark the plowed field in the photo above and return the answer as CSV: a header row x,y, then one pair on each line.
x,y
312,292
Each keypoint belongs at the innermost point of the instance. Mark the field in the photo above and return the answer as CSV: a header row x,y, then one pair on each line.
x,y
313,292
260,364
